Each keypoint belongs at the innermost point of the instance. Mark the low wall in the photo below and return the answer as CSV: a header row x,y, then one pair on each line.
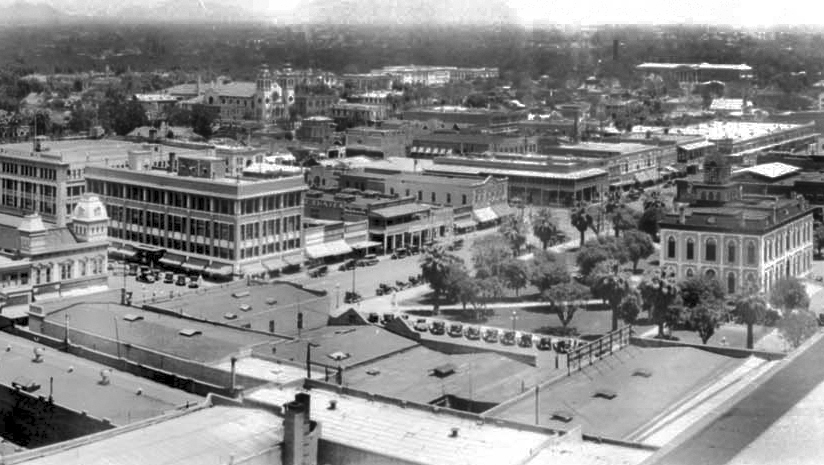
x,y
344,454
33,421
452,348
727,351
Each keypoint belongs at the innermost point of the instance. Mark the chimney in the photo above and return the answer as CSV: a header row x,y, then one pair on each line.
x,y
233,376
300,433
682,215
172,160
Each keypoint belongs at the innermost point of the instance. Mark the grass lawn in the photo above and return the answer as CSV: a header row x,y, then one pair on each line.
x,y
733,335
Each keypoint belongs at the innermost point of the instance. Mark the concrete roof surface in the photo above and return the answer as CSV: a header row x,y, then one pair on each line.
x,y
207,435
79,389
415,435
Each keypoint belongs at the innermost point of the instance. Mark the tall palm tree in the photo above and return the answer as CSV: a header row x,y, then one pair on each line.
x,y
611,287
436,266
751,309
581,220
544,227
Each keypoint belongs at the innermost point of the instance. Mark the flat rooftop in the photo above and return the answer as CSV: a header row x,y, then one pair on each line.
x,y
777,422
618,147
162,176
527,171
412,434
238,305
675,373
410,375
97,314
338,345
390,164
736,130
212,434
79,389
83,150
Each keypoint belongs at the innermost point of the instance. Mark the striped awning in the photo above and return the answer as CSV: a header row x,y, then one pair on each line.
x,y
484,215
364,244
253,268
195,264
503,210
274,264
172,260
465,223
293,260
219,269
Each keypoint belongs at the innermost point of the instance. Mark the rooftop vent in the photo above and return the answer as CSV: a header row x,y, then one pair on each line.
x,y
562,415
38,355
188,332
229,316
608,394
642,372
105,377
132,317
711,220
239,294
333,404
444,370
373,372
271,301
245,308
338,356
453,433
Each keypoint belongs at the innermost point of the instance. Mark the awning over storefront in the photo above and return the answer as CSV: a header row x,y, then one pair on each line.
x,y
484,215
253,268
293,260
171,260
364,244
620,183
503,210
220,269
465,223
195,265
644,176
274,264
328,249
120,253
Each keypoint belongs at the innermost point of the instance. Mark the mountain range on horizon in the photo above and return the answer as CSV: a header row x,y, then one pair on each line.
x,y
350,12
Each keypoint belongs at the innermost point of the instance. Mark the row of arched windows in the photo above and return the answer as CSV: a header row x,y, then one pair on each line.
x,y
731,280
711,250
787,240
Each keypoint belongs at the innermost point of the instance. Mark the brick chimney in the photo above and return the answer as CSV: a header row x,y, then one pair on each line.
x,y
682,215
300,433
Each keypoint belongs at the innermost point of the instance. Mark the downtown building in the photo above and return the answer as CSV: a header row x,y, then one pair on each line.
x,y
189,215
746,241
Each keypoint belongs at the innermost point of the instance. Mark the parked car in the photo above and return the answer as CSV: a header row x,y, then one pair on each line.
x,y
348,265
437,328
508,338
414,250
385,289
456,330
368,260
373,318
169,278
491,335
351,297
472,333
525,340
181,280
322,270
132,270
193,283
145,278
562,346
387,317
545,343
421,325
400,252
456,245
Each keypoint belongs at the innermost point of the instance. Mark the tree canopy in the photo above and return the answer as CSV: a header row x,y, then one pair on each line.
x,y
797,326
599,250
489,253
548,270
637,245
437,267
788,293
751,309
661,299
544,226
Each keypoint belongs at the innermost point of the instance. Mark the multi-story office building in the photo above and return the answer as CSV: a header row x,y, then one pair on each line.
x,y
357,113
204,221
746,241
443,144
627,163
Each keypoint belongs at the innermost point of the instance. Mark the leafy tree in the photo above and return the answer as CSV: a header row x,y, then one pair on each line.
x,y
706,317
515,274
566,299
598,250
623,218
637,245
751,309
660,298
797,326
701,289
130,115
611,287
489,253
202,120
788,294
581,220
818,238
548,270
630,307
491,287
436,267
179,117
477,101
513,230
648,222
544,227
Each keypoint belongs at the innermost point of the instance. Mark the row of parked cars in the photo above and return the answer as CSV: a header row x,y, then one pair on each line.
x,y
493,335
149,276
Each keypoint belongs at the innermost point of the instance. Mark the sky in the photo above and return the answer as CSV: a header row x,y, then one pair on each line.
x,y
733,12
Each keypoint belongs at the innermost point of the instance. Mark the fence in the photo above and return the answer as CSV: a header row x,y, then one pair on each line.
x,y
611,342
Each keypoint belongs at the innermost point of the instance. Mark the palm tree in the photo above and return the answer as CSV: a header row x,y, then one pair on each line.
x,y
544,227
581,220
660,295
751,309
513,230
612,287
436,266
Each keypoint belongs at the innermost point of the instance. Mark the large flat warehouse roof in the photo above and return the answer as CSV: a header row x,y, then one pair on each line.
x,y
84,150
76,384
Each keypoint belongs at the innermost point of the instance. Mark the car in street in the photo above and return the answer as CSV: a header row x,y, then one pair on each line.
x,y
387,317
525,340
420,325
400,252
169,278
145,278
545,343
455,330
508,338
491,335
318,271
25,384
193,283
373,318
368,260
181,280
437,328
472,333
348,265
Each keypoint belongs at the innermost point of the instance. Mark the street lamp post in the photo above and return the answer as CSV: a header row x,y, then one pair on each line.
x,y
514,318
